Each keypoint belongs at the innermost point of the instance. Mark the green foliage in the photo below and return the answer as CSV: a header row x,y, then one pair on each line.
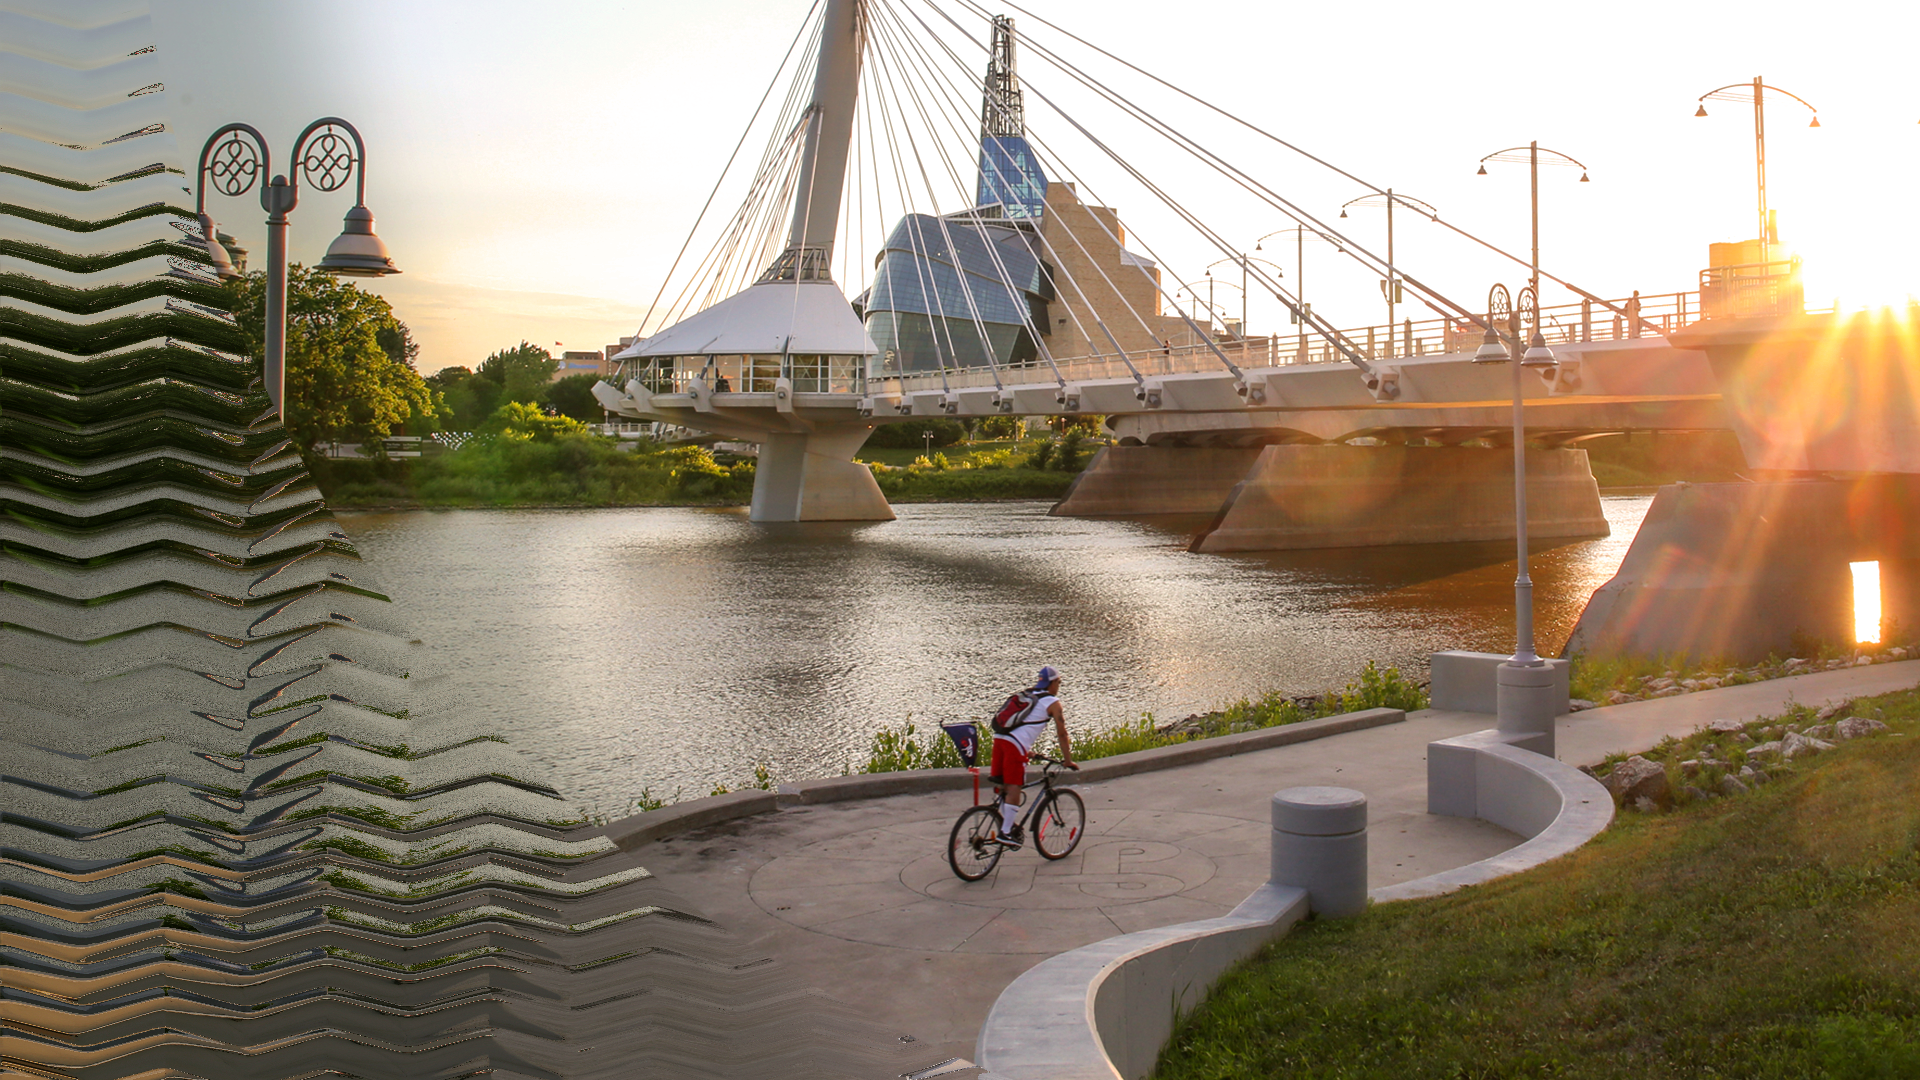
x,y
1000,426
1769,935
1041,456
569,469
467,400
1073,451
902,749
911,434
518,421
573,396
1378,689
897,749
350,375
522,372
695,475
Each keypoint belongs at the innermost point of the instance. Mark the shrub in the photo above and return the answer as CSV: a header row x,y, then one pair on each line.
x,y
517,421
911,434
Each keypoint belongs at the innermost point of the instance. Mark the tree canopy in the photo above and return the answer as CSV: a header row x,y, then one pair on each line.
x,y
573,396
522,372
350,374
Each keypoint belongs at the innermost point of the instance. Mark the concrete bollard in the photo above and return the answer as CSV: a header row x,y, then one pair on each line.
x,y
1526,706
1320,845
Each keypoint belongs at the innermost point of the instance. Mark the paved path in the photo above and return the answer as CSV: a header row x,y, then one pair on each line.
x,y
858,895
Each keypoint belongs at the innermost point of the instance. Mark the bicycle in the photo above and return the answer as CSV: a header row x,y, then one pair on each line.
x,y
1056,820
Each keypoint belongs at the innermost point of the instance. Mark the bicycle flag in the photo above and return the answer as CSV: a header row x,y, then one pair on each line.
x,y
966,739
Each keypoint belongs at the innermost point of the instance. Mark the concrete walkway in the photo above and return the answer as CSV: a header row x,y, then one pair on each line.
x,y
858,895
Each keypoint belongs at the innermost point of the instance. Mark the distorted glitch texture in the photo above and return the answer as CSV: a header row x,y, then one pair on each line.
x,y
241,834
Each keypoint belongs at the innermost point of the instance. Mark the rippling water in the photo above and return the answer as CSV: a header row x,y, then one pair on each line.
x,y
673,649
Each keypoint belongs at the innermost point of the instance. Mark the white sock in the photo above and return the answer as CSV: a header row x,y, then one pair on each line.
x,y
1009,814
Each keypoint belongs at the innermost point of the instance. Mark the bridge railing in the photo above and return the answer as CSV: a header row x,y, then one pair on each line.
x,y
1731,290
1645,316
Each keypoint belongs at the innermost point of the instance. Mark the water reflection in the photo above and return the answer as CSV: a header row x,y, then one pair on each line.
x,y
675,648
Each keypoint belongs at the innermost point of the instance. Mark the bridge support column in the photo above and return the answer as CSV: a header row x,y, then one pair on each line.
x,y
1365,496
1737,571
1131,481
812,476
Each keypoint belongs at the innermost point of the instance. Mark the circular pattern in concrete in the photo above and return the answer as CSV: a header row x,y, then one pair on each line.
x,y
1136,869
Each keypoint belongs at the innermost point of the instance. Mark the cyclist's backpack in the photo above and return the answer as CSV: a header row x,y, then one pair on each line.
x,y
1013,714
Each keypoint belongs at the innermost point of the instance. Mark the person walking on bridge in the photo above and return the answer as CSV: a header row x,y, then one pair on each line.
x,y
1014,740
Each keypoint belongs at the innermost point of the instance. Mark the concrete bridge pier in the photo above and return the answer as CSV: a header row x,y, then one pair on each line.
x,y
811,476
1305,496
1737,571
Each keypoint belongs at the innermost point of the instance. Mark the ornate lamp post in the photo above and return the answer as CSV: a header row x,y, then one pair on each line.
x,y
1300,238
1524,684
1756,92
231,163
1391,286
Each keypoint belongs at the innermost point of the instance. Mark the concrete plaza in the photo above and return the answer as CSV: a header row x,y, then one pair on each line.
x,y
857,896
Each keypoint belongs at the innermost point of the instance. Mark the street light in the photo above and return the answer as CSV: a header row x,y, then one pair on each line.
x,y
1241,260
232,164
1391,286
1300,315
1524,683
1530,154
1756,92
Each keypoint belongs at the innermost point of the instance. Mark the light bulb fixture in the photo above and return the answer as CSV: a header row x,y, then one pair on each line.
x,y
1816,120
1491,350
1583,178
1702,111
1483,169
1343,213
1537,354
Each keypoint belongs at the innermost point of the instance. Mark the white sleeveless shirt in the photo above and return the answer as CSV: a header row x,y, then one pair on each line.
x,y
1036,722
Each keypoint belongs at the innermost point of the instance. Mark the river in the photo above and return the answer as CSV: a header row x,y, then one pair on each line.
x,y
670,649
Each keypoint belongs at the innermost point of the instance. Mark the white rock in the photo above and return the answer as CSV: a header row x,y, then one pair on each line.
x,y
1854,727
1580,705
1800,746
1772,747
1732,786
1821,731
1752,775
1898,654
1661,683
1741,736
1725,727
1645,806
1828,712
1637,778
1863,661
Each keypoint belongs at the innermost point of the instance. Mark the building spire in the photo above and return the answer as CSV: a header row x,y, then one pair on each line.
x,y
1002,111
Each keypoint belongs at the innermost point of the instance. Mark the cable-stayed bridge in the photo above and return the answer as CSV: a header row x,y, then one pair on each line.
x,y
912,243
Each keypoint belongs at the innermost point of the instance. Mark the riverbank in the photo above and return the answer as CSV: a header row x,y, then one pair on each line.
x,y
1758,927
592,471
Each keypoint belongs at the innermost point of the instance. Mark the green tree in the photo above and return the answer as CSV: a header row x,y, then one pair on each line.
x,y
573,396
350,375
470,399
517,421
522,372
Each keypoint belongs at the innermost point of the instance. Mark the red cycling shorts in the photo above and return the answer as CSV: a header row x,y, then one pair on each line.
x,y
1009,763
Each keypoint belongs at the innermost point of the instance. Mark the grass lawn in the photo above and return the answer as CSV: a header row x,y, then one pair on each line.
x,y
1771,934
956,453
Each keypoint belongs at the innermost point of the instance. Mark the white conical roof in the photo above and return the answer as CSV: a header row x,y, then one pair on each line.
x,y
772,317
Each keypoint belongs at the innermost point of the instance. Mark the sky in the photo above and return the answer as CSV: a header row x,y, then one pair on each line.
x,y
534,168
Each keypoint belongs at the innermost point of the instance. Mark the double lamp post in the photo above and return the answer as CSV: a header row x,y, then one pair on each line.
x,y
236,156
1524,684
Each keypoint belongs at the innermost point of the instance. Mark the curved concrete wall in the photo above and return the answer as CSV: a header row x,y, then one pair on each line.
x,y
1105,1010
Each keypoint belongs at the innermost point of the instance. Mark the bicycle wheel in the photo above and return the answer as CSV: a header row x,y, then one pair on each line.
x,y
1058,825
974,847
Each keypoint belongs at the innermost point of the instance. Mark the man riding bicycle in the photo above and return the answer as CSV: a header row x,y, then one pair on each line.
x,y
1012,745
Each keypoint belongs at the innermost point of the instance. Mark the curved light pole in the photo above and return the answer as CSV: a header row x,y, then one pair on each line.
x,y
1530,156
232,164
1391,286
1241,260
1300,236
1756,92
